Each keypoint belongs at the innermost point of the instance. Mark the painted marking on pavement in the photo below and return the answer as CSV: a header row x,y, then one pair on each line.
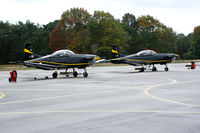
x,y
146,91
2,95
98,111
70,95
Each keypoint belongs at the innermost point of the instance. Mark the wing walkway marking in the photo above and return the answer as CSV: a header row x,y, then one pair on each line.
x,y
146,91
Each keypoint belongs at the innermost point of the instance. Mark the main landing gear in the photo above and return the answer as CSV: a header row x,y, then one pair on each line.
x,y
154,68
166,68
74,73
142,69
85,74
55,74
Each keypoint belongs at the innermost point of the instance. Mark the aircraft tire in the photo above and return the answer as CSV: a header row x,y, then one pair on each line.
x,y
154,69
141,69
54,75
75,73
166,69
85,74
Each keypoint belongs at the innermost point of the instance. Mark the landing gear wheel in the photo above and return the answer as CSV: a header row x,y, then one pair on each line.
x,y
9,79
85,74
166,69
154,69
54,75
141,69
75,73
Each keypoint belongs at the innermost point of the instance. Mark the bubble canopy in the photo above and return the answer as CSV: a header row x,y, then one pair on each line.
x,y
146,53
61,53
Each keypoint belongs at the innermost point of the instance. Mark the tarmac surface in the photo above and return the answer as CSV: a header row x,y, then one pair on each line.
x,y
114,99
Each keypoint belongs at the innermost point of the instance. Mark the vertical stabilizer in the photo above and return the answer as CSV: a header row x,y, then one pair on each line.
x,y
115,52
28,51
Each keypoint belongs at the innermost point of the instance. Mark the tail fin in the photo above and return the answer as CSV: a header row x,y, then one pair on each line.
x,y
115,52
28,52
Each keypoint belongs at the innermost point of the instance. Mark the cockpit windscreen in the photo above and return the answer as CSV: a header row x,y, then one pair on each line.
x,y
146,53
61,53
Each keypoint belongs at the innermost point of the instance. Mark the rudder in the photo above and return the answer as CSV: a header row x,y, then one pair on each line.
x,y
28,52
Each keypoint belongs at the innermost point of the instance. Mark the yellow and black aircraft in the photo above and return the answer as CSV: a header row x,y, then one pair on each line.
x,y
61,59
142,58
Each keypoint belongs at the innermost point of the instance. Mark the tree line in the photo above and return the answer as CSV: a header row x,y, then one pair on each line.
x,y
82,32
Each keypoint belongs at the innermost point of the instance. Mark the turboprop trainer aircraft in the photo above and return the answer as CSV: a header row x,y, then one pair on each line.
x,y
142,58
61,59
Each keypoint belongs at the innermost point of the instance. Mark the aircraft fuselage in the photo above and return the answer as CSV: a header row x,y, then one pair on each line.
x,y
63,62
135,60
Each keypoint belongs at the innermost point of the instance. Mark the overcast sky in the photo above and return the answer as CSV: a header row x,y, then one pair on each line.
x,y
181,15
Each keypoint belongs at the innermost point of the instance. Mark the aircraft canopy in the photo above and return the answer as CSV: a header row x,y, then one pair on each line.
x,y
61,53
146,53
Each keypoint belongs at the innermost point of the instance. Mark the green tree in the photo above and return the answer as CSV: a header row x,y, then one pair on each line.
x,y
130,25
14,36
72,31
105,32
182,44
154,35
4,36
194,50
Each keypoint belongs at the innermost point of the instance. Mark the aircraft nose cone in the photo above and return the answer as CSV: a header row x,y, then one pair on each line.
x,y
173,55
96,58
176,55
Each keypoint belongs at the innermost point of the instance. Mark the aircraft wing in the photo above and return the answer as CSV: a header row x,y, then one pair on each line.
x,y
42,66
102,61
133,63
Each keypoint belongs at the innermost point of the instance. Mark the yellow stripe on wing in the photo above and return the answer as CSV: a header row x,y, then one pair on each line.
x,y
149,60
57,63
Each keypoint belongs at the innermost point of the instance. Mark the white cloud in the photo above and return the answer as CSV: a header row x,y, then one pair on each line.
x,y
182,16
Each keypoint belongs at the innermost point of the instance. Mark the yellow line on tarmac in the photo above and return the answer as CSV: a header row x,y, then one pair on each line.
x,y
97,111
70,95
2,95
146,91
